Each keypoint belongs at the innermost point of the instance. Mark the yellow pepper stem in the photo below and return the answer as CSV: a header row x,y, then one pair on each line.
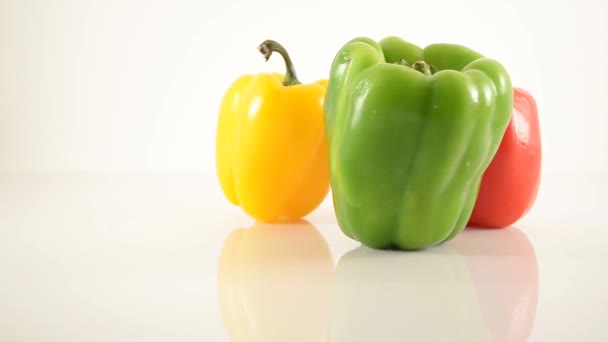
x,y
270,46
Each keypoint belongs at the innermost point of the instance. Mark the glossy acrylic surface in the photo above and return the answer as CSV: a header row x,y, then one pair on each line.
x,y
160,258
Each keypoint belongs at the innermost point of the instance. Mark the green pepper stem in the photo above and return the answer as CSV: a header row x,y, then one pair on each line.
x,y
270,46
423,67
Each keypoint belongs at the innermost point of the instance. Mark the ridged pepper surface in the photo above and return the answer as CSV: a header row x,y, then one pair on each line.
x,y
410,132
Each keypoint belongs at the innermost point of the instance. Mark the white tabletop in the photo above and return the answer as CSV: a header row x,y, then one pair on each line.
x,y
166,258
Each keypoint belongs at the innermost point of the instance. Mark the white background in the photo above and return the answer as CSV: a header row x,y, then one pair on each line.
x,y
130,86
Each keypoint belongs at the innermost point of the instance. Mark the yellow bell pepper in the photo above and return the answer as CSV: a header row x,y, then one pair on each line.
x,y
271,153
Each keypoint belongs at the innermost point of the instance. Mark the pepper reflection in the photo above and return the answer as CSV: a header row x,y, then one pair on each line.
x,y
482,286
275,283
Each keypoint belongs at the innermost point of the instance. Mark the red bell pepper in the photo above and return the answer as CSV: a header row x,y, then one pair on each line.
x,y
510,184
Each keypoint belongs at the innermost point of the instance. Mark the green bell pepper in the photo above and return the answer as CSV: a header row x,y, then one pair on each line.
x,y
410,132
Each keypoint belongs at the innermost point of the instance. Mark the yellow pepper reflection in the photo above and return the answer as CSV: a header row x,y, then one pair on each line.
x,y
275,283
482,286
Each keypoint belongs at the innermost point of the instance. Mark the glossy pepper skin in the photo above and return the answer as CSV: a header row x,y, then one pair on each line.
x,y
408,146
510,184
271,154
